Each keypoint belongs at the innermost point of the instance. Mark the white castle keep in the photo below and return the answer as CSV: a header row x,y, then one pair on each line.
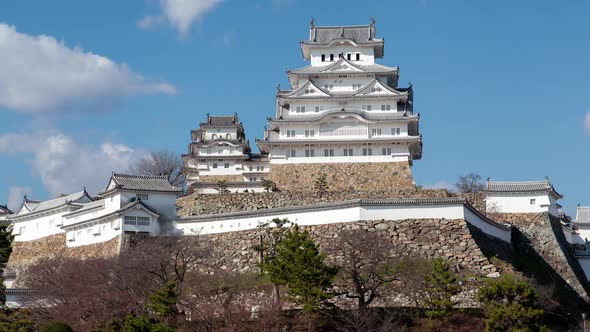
x,y
342,108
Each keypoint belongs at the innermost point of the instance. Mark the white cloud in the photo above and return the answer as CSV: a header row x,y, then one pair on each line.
x,y
40,73
587,122
442,185
15,196
65,165
181,14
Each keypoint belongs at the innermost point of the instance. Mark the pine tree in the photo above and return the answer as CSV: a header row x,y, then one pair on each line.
x,y
164,300
299,264
222,187
441,285
321,184
510,305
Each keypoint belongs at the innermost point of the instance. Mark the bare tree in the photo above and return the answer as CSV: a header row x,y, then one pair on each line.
x,y
368,263
160,163
469,183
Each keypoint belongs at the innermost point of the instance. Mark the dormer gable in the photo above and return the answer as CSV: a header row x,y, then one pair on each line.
x,y
308,89
342,65
377,88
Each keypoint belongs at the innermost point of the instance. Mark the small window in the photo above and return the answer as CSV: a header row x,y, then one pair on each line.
x,y
214,136
228,136
293,153
309,133
358,57
348,152
143,221
331,57
214,165
533,201
386,151
226,165
328,152
143,197
310,153
348,56
376,132
323,57
340,56
130,220
386,107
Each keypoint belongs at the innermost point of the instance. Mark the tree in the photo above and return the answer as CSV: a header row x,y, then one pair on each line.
x,y
222,187
299,265
163,301
510,305
441,286
367,265
469,183
5,251
268,185
56,326
160,163
321,184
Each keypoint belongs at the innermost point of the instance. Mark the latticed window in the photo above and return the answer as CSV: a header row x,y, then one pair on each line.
x,y
346,128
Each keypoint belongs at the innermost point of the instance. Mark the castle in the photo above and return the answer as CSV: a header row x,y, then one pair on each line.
x,y
345,118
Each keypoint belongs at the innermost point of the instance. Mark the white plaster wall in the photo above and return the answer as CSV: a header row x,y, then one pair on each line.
x,y
84,234
282,155
339,215
220,132
164,203
504,203
583,231
38,228
486,227
367,54
233,169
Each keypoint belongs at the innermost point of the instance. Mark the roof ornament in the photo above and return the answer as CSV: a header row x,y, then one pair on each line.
x,y
312,23
278,87
488,179
342,32
372,21
410,84
342,109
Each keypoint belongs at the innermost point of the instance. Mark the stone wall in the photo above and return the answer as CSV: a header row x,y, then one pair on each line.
x,y
540,237
343,176
453,240
196,204
216,178
428,238
28,253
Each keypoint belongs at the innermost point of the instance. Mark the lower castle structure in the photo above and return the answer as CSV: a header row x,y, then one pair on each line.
x,y
345,119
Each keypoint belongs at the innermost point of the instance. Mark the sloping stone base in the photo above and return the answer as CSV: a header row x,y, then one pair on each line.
x,y
27,253
343,176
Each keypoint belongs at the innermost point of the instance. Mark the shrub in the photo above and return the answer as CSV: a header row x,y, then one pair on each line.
x,y
441,286
56,327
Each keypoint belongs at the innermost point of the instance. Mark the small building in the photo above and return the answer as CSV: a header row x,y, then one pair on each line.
x,y
219,157
129,204
4,212
522,197
582,224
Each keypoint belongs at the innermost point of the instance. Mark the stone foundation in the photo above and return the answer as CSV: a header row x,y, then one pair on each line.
x,y
28,253
217,178
343,176
196,204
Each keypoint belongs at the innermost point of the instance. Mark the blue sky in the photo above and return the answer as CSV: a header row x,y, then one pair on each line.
x,y
502,87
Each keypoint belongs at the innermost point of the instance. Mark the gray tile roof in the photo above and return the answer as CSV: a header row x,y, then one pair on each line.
x,y
38,206
520,186
360,34
375,68
222,121
583,214
4,210
144,183
98,204
115,213
341,111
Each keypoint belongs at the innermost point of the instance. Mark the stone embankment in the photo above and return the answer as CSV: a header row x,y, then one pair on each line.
x,y
343,176
196,204
28,253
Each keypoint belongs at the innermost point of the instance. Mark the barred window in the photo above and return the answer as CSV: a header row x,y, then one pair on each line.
x,y
143,197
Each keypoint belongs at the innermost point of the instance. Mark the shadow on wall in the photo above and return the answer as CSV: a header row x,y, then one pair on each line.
x,y
564,301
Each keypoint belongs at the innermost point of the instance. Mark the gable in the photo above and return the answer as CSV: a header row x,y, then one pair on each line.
x,y
309,89
341,66
376,88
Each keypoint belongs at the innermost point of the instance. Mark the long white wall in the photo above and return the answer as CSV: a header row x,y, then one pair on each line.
x,y
349,214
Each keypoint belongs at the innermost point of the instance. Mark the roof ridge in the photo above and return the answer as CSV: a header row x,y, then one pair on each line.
x,y
139,176
528,181
54,199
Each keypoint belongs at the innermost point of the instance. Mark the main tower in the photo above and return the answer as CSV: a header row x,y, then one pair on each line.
x,y
344,116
